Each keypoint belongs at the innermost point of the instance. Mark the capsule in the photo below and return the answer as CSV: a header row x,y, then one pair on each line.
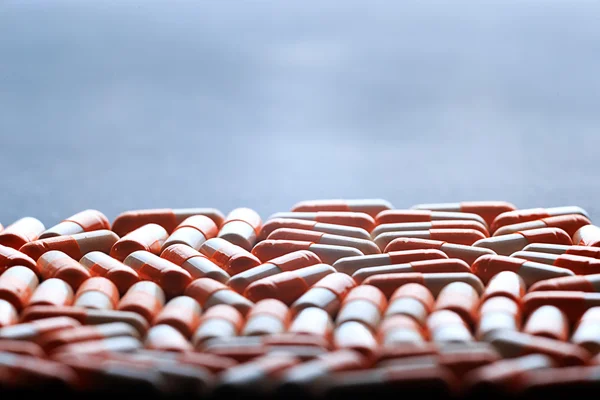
x,y
312,321
8,314
578,264
426,226
586,283
327,294
17,284
84,221
364,246
403,216
32,331
101,264
588,235
412,300
505,284
586,333
52,292
487,266
241,227
585,251
267,317
56,264
532,214
288,286
20,232
570,223
145,298
575,382
464,237
367,206
466,253
197,264
461,298
101,346
97,293
230,257
192,232
497,313
166,338
334,229
354,335
171,278
387,283
10,257
428,266
75,246
150,237
346,218
182,313
349,265
21,347
165,217
219,321
288,262
488,210
329,254
446,326
573,304
364,304
506,245
55,339
548,321
400,329
26,374
208,293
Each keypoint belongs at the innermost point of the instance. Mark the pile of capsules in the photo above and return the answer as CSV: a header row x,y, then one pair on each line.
x,y
332,298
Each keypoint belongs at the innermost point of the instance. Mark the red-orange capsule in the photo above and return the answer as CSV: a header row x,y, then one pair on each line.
x,y
356,336
506,245
548,321
171,278
388,283
327,294
585,251
21,347
460,298
312,321
426,226
97,292
10,257
579,283
55,339
342,230
52,292
197,264
349,265
578,264
488,210
364,246
426,267
145,298
400,329
232,258
219,321
56,264
241,227
209,293
586,332
403,216
22,231
570,223
100,347
588,235
347,218
506,284
413,300
532,214
149,237
165,217
101,264
446,326
288,286
573,304
17,285
465,237
22,372
8,314
192,232
328,253
466,253
32,331
166,338
267,317
560,382
84,221
182,313
367,206
363,304
498,313
75,246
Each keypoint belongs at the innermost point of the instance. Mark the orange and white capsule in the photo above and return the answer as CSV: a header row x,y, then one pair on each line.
x,y
428,266
586,332
346,218
32,331
312,321
388,283
329,254
288,262
327,294
412,300
356,336
119,344
172,278
579,283
208,293
52,292
400,329
461,298
506,284
466,253
230,257
570,223
488,210
364,246
197,264
8,314
75,246
288,286
97,292
403,216
56,264
20,232
182,313
367,206
145,298
573,304
548,321
485,267
506,245
497,313
349,265
241,227
84,221
578,264
464,237
166,338
363,304
149,237
17,284
165,217
425,226
584,251
219,321
446,326
334,229
21,347
192,232
10,257
267,317
532,214
588,235
55,339
101,264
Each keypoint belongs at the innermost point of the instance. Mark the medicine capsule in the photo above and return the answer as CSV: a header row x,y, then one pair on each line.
x,y
506,245
548,321
171,278
101,264
182,313
97,293
192,232
165,217
532,214
367,206
586,333
446,326
197,264
364,246
356,336
32,331
400,329
101,346
312,321
560,382
586,283
485,267
328,293
329,254
8,314
349,265
84,221
166,338
464,237
230,257
428,266
17,284
75,246
497,313
334,229
54,339
403,216
20,232
52,292
363,304
10,257
387,283
21,347
488,210
578,264
241,227
570,223
573,304
288,286
461,298
288,262
585,251
506,284
426,226
413,300
35,375
267,317
219,321
145,298
466,253
56,264
353,219
588,235
208,293
150,237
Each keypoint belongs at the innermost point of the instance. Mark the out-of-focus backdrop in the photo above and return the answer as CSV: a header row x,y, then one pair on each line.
x,y
119,105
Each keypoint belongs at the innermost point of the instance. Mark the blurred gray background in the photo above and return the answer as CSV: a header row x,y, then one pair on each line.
x,y
120,105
